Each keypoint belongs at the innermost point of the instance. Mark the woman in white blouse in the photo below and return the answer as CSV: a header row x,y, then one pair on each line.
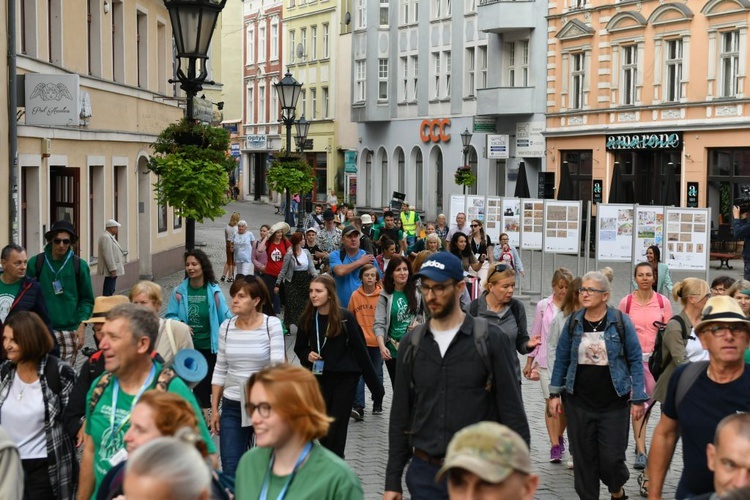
x,y
242,244
249,341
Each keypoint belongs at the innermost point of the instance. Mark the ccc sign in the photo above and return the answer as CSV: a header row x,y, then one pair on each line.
x,y
435,130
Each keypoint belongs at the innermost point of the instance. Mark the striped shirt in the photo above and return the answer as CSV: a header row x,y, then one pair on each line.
x,y
244,352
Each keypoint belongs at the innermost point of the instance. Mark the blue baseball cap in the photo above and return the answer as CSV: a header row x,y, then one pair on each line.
x,y
441,266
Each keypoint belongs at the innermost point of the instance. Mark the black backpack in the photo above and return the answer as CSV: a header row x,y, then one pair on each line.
x,y
658,359
39,264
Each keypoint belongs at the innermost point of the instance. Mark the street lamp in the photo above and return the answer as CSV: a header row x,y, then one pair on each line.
x,y
466,141
193,23
288,90
302,126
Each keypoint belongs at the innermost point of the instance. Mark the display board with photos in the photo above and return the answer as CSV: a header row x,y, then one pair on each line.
x,y
688,237
493,218
511,220
474,208
458,205
615,225
562,226
649,230
532,224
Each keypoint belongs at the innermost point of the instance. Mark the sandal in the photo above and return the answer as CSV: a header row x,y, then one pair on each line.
x,y
643,484
230,279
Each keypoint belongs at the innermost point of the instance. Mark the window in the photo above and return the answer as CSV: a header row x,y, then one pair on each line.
x,y
273,112
578,74
262,104
447,8
629,66
382,79
673,83
176,220
436,5
404,68
249,111
292,48
314,103
435,93
447,65
250,47
325,40
384,12
141,54
482,83
292,3
517,54
118,42
470,6
470,83
525,63
730,61
274,40
314,42
511,50
361,13
405,12
303,42
415,12
415,76
580,166
161,57
303,100
360,82
325,102
262,48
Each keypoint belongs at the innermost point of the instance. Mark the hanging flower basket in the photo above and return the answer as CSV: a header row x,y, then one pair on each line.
x,y
465,177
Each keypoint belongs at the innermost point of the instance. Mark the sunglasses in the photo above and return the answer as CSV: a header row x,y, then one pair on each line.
x,y
61,241
499,268
474,225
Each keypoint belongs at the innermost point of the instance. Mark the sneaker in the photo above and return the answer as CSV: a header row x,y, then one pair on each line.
x,y
378,410
555,455
569,463
358,414
640,462
561,442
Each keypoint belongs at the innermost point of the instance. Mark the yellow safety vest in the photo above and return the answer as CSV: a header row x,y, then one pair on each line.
x,y
409,226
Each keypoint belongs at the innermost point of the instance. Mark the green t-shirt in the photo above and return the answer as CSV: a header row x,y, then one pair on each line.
x,y
98,424
401,318
8,294
323,476
197,317
747,356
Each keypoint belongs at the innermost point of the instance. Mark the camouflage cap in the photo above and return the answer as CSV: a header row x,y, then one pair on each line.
x,y
488,450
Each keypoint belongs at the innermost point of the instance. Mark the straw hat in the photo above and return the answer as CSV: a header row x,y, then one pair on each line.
x,y
280,226
721,309
102,305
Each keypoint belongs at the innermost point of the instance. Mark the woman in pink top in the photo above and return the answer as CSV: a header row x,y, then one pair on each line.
x,y
546,309
645,306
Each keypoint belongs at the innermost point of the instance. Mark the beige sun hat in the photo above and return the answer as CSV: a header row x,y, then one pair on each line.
x,y
721,309
280,226
102,305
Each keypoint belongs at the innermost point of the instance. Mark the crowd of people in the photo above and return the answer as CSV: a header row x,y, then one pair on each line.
x,y
433,303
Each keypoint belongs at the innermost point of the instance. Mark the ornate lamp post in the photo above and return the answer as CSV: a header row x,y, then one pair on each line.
x,y
302,126
466,141
193,23
288,90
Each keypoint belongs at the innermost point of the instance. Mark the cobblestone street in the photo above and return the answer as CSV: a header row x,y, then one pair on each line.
x,y
367,445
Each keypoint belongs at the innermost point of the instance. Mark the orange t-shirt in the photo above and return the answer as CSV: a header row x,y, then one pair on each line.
x,y
363,306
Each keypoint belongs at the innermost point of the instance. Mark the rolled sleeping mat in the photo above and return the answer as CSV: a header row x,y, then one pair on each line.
x,y
191,366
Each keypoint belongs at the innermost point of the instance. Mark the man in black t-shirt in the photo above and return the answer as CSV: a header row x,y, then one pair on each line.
x,y
699,396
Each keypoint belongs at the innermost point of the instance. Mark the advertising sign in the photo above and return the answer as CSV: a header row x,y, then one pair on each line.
x,y
614,233
598,189
692,194
497,147
562,226
529,139
256,142
52,99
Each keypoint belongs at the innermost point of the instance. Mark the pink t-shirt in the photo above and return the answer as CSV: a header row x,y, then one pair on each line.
x,y
545,313
643,318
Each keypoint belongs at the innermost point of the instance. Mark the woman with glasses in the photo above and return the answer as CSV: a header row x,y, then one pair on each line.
x,y
288,413
546,310
503,250
646,309
251,340
459,246
721,285
498,305
479,242
598,366
297,271
398,307
331,344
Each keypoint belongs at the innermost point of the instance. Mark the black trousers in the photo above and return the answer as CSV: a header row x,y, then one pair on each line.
x,y
36,483
599,439
390,364
202,390
338,390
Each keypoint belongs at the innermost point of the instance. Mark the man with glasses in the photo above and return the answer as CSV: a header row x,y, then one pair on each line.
x,y
721,285
66,284
444,383
699,396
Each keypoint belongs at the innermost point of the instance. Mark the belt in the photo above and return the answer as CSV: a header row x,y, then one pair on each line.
x,y
426,457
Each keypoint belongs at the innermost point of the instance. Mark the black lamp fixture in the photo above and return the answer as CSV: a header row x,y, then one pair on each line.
x,y
193,24
303,127
466,141
288,91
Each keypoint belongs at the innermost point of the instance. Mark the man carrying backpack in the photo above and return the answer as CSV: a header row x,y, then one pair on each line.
x,y
452,372
127,341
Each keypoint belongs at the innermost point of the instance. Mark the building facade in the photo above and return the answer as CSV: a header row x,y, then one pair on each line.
x,y
96,96
655,91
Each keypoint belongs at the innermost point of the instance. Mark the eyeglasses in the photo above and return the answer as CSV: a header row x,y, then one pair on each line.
x,y
720,331
474,225
583,291
718,291
264,409
438,289
61,241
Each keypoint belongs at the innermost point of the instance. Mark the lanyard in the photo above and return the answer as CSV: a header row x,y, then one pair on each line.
x,y
116,392
267,479
317,334
70,254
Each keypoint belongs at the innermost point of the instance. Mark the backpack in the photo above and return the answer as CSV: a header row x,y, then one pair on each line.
x,y
165,377
51,374
481,336
658,359
686,380
515,309
39,264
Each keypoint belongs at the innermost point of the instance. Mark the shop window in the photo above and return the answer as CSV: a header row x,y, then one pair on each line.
x,y
728,171
580,165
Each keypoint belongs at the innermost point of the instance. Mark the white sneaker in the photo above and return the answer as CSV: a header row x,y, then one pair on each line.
x,y
569,462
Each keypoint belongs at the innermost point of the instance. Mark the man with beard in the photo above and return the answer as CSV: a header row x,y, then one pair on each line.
x,y
454,362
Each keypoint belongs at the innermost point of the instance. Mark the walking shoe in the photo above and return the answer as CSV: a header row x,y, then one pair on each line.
x,y
223,277
643,485
358,414
378,410
561,442
640,461
623,497
569,463
555,455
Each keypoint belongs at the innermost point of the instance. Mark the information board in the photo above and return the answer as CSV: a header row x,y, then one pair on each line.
x,y
614,233
458,204
687,244
649,230
474,208
493,219
532,224
562,226
511,218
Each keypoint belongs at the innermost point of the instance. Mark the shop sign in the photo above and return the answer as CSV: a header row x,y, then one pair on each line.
x,y
235,148
598,189
52,99
256,142
529,139
435,130
497,147
664,140
485,124
692,194
350,162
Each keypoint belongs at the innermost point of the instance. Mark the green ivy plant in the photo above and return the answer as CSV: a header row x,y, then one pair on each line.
x,y
192,164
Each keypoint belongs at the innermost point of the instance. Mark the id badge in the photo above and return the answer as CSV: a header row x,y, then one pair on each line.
x,y
317,368
57,287
118,457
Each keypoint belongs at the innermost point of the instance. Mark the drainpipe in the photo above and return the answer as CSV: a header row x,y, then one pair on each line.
x,y
12,124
